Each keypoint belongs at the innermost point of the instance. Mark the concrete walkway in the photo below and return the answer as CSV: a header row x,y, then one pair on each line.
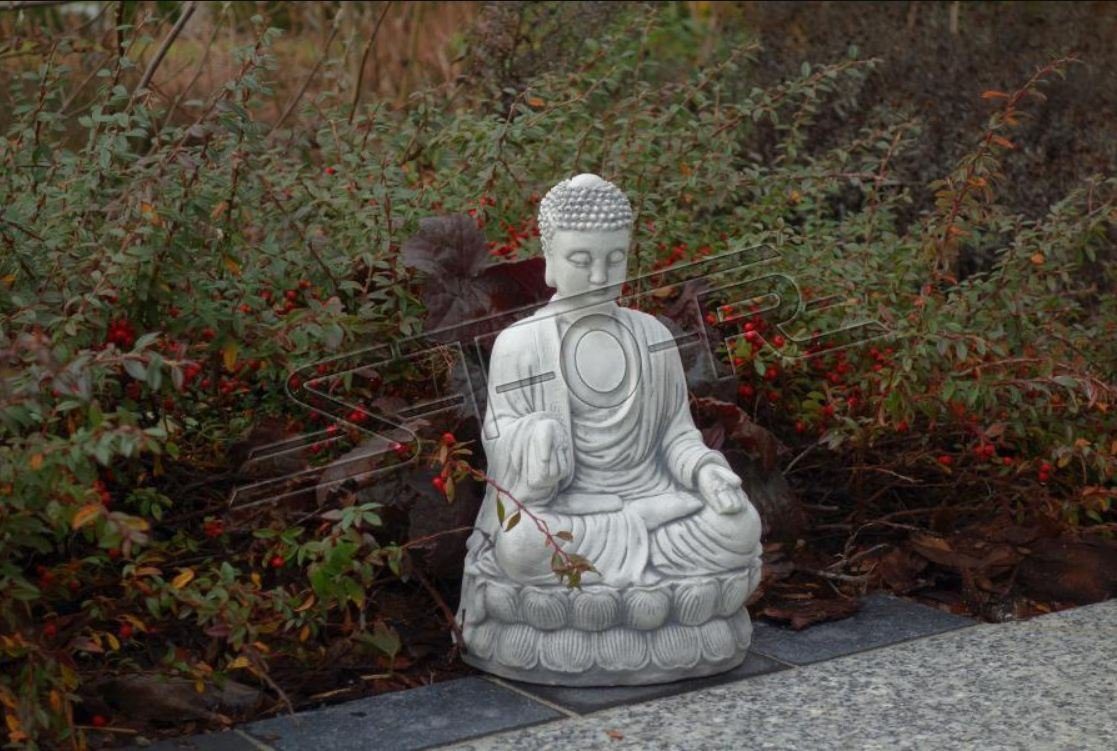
x,y
897,675
1046,683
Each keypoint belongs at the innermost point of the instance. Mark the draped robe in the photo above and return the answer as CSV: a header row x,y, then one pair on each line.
x,y
615,384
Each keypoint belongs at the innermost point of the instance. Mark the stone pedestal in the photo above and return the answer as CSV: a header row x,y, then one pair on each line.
x,y
599,635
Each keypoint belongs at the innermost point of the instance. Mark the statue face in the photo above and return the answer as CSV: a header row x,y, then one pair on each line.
x,y
593,262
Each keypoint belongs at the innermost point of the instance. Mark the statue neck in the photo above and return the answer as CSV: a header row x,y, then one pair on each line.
x,y
574,307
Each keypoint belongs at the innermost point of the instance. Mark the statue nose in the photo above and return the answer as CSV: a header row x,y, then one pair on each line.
x,y
598,275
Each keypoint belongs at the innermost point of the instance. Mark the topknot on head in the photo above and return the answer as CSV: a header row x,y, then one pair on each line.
x,y
585,202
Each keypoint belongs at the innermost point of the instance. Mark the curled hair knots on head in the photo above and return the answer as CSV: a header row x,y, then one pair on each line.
x,y
585,202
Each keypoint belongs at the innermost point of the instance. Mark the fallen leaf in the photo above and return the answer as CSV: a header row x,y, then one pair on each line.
x,y
615,735
807,612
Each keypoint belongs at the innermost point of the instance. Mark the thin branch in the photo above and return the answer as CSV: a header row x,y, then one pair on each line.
x,y
440,601
306,82
364,59
166,45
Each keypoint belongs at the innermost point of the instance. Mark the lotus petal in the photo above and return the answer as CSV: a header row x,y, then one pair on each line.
x,y
472,609
567,651
675,646
517,646
502,601
735,590
695,601
742,629
595,610
646,608
479,640
545,609
621,649
718,643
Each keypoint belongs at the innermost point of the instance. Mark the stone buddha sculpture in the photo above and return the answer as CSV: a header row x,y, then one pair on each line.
x,y
588,426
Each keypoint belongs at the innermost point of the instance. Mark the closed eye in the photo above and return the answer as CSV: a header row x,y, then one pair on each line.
x,y
617,257
581,259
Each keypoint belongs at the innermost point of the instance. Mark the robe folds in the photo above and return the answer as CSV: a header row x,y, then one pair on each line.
x,y
630,496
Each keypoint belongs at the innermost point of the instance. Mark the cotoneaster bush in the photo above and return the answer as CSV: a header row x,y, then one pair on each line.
x,y
160,282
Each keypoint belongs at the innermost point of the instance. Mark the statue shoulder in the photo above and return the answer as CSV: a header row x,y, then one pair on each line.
x,y
654,328
517,339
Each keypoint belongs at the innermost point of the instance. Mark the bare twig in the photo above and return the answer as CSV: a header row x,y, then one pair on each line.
x,y
152,66
441,603
364,59
306,81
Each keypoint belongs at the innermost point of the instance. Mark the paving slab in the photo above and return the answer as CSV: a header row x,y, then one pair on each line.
x,y
586,700
404,720
229,740
1045,683
882,620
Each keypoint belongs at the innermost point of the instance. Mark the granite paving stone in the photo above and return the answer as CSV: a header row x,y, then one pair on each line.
x,y
882,620
405,720
586,700
1043,684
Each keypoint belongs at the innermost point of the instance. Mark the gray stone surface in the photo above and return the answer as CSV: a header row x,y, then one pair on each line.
x,y
1046,683
882,620
586,700
229,740
404,720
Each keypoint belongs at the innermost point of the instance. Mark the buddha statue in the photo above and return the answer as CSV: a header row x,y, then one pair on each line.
x,y
588,426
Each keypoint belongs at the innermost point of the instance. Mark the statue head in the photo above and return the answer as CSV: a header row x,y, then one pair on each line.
x,y
585,226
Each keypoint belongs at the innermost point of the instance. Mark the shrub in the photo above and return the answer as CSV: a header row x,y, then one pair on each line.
x,y
163,280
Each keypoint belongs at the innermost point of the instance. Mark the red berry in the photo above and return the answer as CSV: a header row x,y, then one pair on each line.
x,y
245,308
1045,468
946,460
50,630
827,410
277,561
746,391
291,295
208,334
266,295
773,396
304,284
401,450
125,631
440,484
771,373
114,553
331,171
800,426
711,319
902,426
449,439
99,721
1006,461
778,341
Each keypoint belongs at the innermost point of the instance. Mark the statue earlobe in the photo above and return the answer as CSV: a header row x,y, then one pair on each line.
x,y
548,271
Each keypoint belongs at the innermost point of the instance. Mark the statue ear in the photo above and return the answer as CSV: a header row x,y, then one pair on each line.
x,y
548,271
